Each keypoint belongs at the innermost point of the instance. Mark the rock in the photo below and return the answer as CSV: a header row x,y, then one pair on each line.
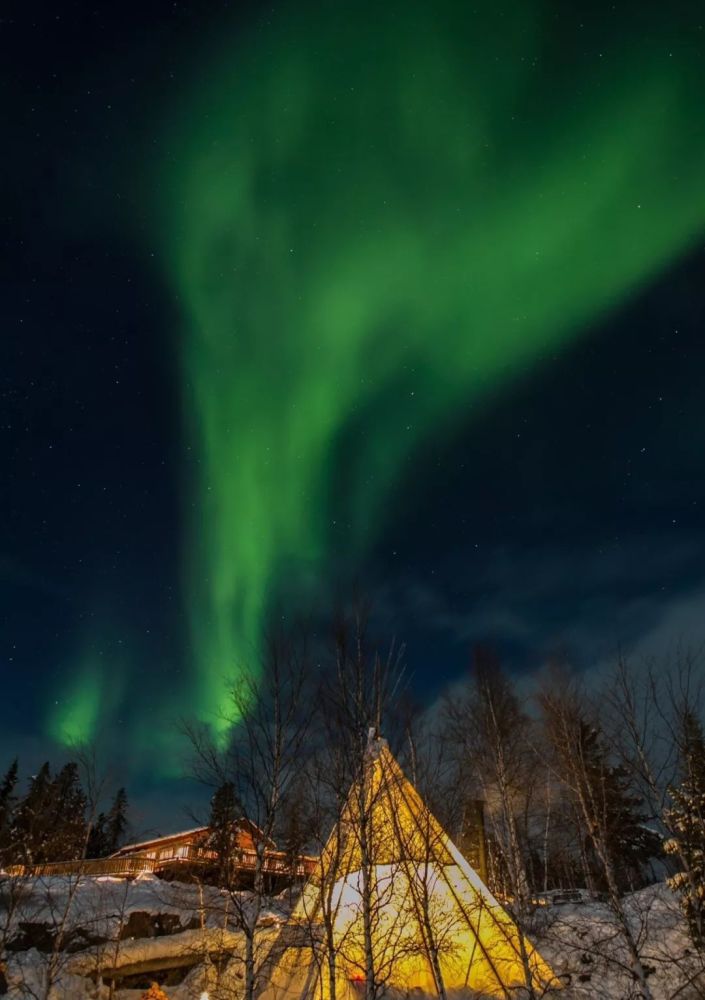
x,y
42,936
141,924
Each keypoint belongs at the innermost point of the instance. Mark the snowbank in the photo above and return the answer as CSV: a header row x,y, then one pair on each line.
x,y
187,932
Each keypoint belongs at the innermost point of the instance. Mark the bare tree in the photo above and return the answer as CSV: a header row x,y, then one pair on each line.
x,y
270,719
644,706
572,736
653,713
492,735
355,696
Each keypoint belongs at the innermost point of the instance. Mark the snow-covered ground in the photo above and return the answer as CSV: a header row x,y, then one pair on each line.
x,y
585,948
110,922
102,905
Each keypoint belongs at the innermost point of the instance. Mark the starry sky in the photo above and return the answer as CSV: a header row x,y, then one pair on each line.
x,y
301,299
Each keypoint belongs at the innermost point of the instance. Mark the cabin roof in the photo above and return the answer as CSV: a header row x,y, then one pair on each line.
x,y
153,841
183,835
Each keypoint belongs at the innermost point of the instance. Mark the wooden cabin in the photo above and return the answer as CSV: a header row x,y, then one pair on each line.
x,y
172,854
188,853
193,844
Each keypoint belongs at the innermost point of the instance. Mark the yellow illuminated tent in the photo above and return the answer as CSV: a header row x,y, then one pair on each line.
x,y
395,903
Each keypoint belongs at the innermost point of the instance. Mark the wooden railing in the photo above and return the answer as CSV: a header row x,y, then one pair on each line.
x,y
91,866
275,863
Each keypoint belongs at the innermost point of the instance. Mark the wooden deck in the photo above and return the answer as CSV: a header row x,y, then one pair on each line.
x,y
275,863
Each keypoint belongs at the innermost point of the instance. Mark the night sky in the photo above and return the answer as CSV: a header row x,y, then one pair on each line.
x,y
303,299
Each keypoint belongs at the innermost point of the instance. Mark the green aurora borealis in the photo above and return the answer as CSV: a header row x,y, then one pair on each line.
x,y
374,217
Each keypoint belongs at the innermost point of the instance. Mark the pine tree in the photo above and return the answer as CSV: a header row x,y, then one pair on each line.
x,y
616,808
68,839
8,784
49,822
116,822
7,803
294,824
96,846
30,826
223,827
686,818
295,827
109,829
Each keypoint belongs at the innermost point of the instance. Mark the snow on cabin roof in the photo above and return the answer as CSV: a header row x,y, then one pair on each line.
x,y
158,840
243,822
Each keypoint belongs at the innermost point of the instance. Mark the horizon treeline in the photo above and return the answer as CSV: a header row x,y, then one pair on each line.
x,y
57,817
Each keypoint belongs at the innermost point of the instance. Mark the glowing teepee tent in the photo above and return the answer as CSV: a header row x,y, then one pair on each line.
x,y
394,903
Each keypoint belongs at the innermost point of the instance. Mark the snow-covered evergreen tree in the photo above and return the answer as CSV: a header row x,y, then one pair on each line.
x,y
686,818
